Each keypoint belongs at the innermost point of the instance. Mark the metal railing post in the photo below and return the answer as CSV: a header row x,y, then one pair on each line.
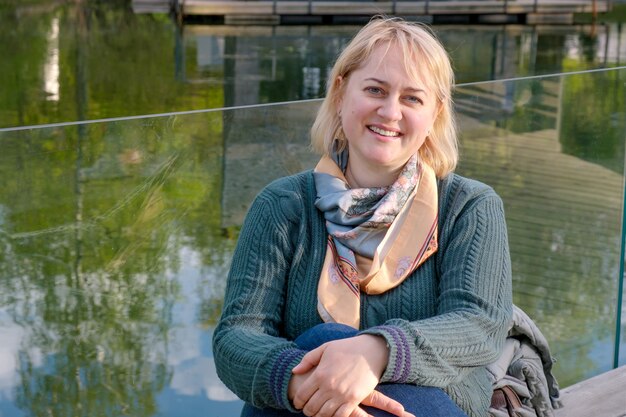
x,y
620,285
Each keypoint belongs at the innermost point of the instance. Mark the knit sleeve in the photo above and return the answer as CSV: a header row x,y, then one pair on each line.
x,y
474,305
250,356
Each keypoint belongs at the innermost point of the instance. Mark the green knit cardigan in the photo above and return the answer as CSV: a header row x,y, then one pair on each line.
x,y
443,324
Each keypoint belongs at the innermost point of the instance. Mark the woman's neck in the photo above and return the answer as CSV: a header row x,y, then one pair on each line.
x,y
368,178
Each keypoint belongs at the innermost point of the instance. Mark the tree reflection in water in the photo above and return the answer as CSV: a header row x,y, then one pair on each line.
x,y
95,221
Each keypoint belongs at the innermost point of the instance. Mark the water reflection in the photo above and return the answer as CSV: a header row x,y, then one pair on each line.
x,y
112,267
116,238
557,159
90,60
51,67
303,55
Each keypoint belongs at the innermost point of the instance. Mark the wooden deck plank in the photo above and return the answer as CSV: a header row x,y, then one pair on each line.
x,y
601,396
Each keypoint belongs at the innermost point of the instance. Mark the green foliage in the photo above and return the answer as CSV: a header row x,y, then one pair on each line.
x,y
594,118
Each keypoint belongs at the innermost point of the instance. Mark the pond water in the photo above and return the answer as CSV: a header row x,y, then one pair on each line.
x,y
97,60
116,237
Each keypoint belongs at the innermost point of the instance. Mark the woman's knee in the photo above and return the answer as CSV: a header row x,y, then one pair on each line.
x,y
418,400
251,411
322,333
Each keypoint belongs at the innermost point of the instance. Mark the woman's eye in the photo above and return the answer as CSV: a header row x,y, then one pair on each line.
x,y
374,90
413,99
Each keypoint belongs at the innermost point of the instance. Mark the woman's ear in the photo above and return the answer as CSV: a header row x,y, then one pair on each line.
x,y
439,108
338,88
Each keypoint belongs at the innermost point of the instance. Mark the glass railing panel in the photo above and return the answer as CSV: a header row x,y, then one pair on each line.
x,y
112,268
117,237
620,354
116,240
553,148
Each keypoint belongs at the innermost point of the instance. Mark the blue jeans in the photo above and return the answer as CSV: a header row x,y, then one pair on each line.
x,y
418,400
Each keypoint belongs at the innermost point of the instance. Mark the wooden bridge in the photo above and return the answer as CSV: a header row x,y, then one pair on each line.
x,y
342,11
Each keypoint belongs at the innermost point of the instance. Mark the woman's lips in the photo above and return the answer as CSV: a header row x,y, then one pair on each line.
x,y
384,132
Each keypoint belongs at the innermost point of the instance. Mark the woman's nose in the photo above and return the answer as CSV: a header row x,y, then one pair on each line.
x,y
390,110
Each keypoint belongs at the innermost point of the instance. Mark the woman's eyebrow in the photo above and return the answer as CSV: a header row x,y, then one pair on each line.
x,y
386,84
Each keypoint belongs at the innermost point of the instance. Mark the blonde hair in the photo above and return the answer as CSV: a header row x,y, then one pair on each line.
x,y
424,58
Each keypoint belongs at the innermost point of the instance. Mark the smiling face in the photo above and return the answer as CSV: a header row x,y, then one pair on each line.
x,y
386,114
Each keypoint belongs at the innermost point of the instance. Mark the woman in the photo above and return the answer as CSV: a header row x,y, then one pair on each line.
x,y
379,283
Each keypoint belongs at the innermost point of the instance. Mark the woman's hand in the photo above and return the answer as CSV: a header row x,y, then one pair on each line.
x,y
332,380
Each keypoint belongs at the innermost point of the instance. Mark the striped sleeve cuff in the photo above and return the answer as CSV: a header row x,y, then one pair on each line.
x,y
399,365
281,375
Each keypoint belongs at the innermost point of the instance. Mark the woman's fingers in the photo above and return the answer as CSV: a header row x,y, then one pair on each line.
x,y
319,405
309,361
303,396
379,400
330,408
295,383
359,412
346,410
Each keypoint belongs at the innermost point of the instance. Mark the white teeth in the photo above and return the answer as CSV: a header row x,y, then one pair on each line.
x,y
383,132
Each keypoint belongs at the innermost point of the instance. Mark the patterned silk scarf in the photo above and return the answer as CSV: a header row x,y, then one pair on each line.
x,y
376,236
